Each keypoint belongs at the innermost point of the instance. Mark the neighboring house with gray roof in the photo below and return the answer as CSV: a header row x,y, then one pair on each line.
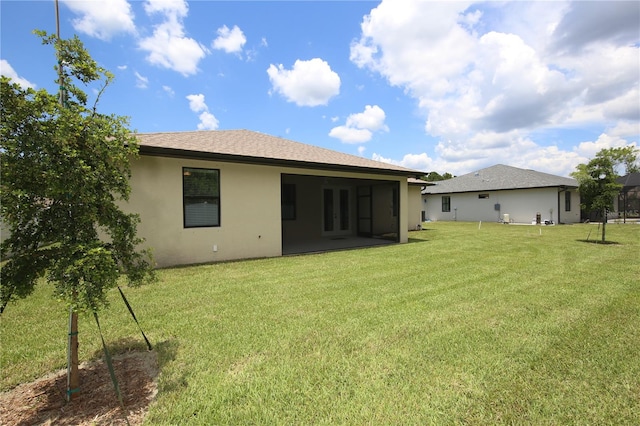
x,y
628,205
504,193
206,196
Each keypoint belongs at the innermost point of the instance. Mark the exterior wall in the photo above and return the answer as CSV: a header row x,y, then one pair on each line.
x,y
250,213
522,206
573,215
415,207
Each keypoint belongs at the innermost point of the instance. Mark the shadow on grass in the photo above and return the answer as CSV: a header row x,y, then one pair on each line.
x,y
166,350
173,379
122,346
417,240
605,243
421,233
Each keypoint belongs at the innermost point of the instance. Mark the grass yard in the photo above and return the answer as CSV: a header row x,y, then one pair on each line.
x,y
498,324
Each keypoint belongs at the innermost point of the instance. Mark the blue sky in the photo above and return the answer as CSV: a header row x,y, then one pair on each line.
x,y
434,86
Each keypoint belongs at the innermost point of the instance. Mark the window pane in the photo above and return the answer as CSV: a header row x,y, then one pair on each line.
x,y
200,182
446,203
201,201
200,212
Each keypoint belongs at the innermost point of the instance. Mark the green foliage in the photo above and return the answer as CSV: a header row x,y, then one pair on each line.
x,y
65,167
598,186
435,176
598,193
626,156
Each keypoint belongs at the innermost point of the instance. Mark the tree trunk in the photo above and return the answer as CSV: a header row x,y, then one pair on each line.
x,y
73,375
604,223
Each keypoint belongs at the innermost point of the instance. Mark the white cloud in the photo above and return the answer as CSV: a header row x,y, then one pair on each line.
x,y
141,81
7,70
587,23
102,20
168,47
359,127
372,118
351,134
177,8
169,91
492,79
589,149
308,83
207,120
229,40
625,129
196,103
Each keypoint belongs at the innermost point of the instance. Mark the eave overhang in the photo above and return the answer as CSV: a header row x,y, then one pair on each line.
x,y
230,158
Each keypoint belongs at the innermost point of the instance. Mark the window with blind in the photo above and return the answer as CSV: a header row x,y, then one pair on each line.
x,y
446,203
201,197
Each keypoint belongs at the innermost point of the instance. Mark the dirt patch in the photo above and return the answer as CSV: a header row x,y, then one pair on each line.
x,y
43,402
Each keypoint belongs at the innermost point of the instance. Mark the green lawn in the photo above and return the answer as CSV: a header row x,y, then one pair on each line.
x,y
465,324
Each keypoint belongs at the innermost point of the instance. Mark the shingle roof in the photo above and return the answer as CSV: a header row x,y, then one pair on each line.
x,y
499,177
630,180
255,147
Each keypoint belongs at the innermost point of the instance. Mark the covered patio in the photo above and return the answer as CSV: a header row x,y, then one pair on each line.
x,y
332,243
322,213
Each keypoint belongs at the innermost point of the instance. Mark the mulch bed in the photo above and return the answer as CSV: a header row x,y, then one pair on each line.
x,y
43,402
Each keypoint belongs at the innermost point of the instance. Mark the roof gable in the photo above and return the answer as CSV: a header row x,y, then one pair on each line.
x,y
255,147
500,177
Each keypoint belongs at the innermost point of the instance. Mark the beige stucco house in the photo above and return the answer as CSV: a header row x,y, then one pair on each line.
x,y
504,194
207,196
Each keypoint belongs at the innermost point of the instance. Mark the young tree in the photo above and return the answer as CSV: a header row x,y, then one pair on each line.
x,y
64,169
626,157
598,186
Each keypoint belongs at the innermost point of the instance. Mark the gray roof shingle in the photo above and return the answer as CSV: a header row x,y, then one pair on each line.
x,y
255,147
630,180
499,177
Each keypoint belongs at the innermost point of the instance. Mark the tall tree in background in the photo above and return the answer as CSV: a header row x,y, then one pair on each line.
x,y
598,186
64,169
436,177
625,157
